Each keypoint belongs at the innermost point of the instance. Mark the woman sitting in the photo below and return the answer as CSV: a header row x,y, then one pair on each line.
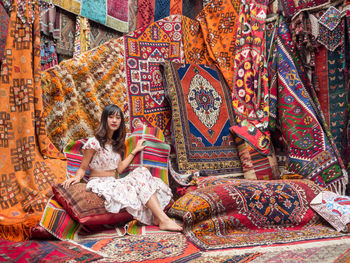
x,y
141,194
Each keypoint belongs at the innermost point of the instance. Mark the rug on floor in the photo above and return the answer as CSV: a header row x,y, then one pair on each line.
x,y
45,251
145,248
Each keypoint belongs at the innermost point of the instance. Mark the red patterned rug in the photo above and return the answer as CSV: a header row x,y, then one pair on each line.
x,y
246,213
143,248
145,48
45,251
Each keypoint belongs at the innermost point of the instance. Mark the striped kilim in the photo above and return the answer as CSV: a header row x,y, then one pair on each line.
x,y
154,156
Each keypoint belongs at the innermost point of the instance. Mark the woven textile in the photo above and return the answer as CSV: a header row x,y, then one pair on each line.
x,y
100,34
154,157
201,117
255,165
4,23
332,93
244,213
310,150
76,91
147,248
86,207
26,172
111,13
66,31
145,13
210,38
250,88
74,154
45,251
293,7
144,50
60,224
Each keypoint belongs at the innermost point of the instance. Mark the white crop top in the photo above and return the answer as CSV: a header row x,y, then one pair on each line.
x,y
104,158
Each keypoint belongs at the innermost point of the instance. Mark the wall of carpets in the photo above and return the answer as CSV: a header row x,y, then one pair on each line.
x,y
71,27
236,87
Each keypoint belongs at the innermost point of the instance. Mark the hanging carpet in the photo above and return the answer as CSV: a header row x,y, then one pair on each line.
x,y
311,152
29,162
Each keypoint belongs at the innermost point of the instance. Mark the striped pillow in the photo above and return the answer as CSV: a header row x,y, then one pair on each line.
x,y
74,155
154,156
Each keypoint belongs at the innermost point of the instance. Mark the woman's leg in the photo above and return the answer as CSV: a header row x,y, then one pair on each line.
x,y
165,223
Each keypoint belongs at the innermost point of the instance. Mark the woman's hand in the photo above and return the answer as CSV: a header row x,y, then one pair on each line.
x,y
74,180
139,146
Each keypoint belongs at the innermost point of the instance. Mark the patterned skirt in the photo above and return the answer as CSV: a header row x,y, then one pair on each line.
x,y
132,193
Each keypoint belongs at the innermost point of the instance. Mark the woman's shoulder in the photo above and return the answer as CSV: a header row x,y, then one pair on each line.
x,y
92,143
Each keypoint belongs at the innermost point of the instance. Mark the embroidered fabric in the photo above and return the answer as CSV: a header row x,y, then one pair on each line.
x,y
131,192
104,158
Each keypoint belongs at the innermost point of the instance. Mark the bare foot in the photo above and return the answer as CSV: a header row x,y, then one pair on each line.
x,y
170,225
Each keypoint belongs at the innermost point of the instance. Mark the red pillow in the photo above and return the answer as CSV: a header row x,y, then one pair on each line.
x,y
87,207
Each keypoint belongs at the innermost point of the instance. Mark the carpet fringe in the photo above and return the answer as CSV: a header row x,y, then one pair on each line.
x,y
339,187
18,232
274,248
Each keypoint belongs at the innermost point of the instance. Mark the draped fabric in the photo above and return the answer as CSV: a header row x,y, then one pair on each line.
x,y
250,82
29,162
210,38
145,49
76,91
311,151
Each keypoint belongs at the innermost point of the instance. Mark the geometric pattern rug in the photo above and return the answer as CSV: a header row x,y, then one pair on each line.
x,y
335,250
45,251
143,248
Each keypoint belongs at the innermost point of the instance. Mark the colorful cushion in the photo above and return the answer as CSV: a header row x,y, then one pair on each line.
x,y
202,114
86,207
154,156
217,209
74,155
334,208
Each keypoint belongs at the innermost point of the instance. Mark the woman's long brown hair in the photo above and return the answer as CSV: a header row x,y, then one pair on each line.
x,y
118,137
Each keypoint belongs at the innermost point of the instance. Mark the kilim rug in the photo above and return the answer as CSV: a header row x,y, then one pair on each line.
x,y
218,258
147,248
58,222
154,157
144,49
325,251
4,23
100,34
111,13
311,152
66,30
344,258
210,38
76,91
202,114
330,67
26,172
245,213
250,90
145,13
45,251
293,7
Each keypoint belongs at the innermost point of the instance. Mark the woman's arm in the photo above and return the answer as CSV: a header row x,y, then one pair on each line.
x,y
87,156
125,163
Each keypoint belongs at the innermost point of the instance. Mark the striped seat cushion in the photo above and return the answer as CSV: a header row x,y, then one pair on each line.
x,y
154,156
